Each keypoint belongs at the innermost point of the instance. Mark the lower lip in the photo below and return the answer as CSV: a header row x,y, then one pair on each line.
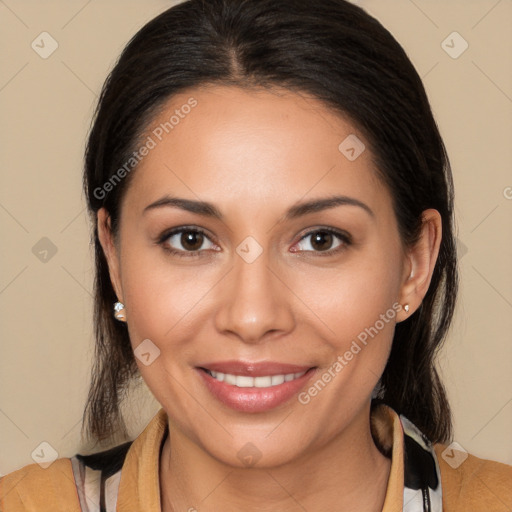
x,y
254,399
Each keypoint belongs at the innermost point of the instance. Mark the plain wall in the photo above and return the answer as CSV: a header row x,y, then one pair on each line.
x,y
46,307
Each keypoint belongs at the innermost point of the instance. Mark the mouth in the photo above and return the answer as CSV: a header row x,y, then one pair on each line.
x,y
254,387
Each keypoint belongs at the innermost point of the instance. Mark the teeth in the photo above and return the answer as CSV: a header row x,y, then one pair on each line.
x,y
244,381
262,382
277,379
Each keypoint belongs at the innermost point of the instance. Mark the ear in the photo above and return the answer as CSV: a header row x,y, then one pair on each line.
x,y
420,263
110,250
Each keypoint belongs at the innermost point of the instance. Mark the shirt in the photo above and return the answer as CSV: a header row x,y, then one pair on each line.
x,y
423,477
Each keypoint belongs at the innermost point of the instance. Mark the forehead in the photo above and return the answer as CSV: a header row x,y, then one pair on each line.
x,y
227,145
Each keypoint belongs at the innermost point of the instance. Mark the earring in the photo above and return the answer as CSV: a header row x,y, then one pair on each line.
x,y
406,308
119,312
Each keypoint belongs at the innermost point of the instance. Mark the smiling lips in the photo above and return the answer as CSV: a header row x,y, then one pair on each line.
x,y
253,387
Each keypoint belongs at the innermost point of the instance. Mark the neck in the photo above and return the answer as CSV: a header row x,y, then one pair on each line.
x,y
349,473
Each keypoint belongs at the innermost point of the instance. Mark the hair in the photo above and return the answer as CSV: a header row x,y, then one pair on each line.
x,y
335,52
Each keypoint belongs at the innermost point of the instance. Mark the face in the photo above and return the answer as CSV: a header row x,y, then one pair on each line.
x,y
261,269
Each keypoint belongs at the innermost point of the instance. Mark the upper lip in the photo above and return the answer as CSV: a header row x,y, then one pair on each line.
x,y
254,369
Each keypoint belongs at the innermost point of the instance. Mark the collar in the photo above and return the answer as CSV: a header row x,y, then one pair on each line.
x,y
414,483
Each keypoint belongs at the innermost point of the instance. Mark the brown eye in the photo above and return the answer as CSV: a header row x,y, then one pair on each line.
x,y
323,241
186,242
191,240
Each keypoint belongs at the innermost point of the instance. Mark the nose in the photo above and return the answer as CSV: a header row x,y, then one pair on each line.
x,y
255,301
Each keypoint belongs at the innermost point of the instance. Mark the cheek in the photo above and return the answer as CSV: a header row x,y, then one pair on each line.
x,y
357,310
161,297
353,298
161,302
143,285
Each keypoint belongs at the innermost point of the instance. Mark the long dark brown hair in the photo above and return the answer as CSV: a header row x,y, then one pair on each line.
x,y
339,54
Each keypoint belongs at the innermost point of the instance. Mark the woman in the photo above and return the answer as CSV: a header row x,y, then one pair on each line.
x,y
273,223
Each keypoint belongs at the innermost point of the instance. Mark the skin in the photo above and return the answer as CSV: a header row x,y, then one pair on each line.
x,y
253,154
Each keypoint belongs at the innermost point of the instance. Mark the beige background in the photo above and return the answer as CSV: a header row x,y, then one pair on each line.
x,y
45,306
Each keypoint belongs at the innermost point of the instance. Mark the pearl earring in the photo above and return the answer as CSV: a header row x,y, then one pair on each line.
x,y
406,308
119,312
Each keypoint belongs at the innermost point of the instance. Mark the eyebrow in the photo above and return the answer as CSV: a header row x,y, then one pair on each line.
x,y
207,209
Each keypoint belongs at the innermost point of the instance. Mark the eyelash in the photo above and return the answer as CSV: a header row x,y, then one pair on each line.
x,y
345,238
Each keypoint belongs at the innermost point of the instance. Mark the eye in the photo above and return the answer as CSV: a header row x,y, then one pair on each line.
x,y
322,240
186,241
191,242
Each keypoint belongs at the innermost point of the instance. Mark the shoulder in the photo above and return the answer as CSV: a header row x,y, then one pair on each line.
x,y
66,484
36,488
471,483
